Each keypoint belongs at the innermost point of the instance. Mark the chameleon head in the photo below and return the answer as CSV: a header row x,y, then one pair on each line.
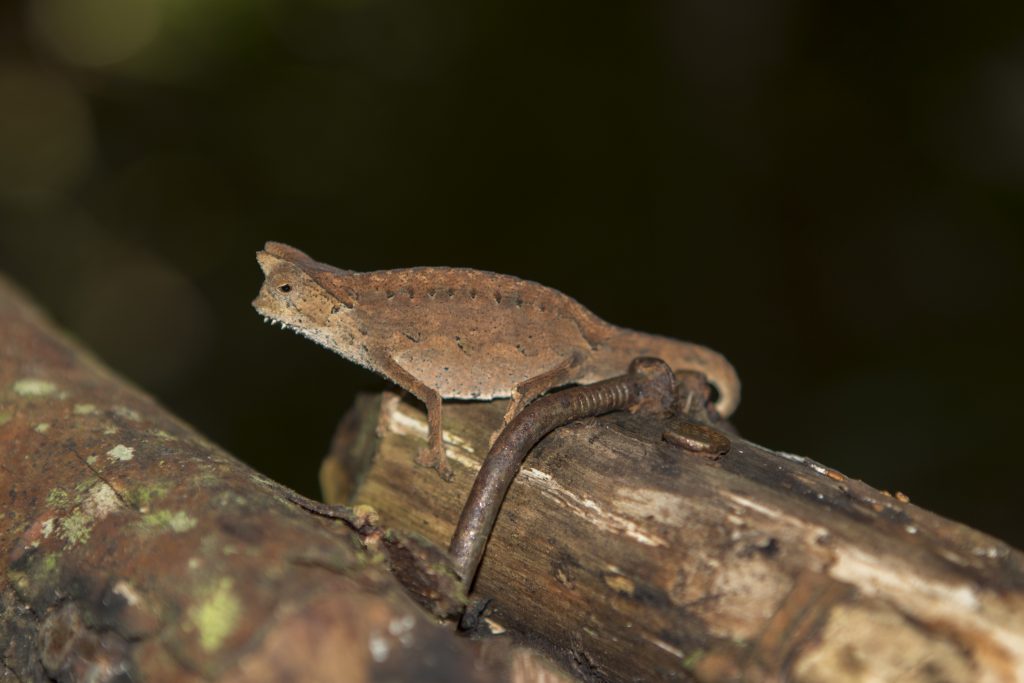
x,y
292,298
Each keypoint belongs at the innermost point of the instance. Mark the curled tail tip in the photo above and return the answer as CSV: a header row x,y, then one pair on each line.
x,y
728,400
728,385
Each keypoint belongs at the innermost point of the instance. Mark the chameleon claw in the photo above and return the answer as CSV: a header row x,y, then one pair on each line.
x,y
429,457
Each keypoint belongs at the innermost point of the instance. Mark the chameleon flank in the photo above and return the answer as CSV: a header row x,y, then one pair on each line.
x,y
444,333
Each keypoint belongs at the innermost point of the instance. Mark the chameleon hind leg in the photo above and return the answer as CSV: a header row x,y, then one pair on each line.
x,y
527,390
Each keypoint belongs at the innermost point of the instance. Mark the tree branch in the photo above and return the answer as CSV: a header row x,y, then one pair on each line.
x,y
134,549
634,558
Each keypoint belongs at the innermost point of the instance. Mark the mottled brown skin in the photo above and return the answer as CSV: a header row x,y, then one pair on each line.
x,y
463,333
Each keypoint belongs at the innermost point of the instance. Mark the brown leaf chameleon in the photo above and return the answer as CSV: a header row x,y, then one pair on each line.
x,y
463,333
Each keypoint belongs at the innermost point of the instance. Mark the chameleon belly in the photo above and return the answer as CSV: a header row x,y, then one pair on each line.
x,y
456,372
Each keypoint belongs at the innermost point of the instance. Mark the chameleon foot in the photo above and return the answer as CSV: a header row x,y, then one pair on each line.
x,y
429,457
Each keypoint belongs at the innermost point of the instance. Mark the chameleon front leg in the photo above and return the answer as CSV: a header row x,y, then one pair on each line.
x,y
433,455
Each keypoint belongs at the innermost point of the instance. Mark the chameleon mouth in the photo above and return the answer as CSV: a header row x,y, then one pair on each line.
x,y
292,328
282,324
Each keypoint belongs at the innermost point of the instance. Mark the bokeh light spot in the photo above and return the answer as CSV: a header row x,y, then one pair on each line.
x,y
145,314
46,134
95,33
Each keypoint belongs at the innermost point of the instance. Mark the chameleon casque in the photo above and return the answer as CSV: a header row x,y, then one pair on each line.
x,y
464,334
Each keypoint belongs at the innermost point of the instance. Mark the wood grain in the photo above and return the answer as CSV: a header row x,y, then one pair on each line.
x,y
634,559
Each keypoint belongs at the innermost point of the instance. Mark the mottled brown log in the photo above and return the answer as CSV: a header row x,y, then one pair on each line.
x,y
134,549
634,559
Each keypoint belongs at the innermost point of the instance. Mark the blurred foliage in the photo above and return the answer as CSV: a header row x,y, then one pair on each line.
x,y
830,194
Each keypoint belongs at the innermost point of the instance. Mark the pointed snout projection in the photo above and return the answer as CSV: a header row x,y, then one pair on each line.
x,y
291,296
272,300
279,264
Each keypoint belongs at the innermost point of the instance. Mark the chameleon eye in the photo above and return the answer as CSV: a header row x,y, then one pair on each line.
x,y
285,288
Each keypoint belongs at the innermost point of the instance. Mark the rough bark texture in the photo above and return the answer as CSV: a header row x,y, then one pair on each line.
x,y
133,549
634,559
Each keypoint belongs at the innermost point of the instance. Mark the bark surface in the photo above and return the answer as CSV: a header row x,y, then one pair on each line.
x,y
135,550
635,559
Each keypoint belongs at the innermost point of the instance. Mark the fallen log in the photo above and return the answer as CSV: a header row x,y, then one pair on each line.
x,y
633,558
135,550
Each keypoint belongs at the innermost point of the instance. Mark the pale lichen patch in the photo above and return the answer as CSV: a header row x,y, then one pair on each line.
x,y
101,501
177,521
48,566
42,427
5,417
47,527
181,521
58,498
216,614
34,387
144,496
76,527
122,453
83,409
127,413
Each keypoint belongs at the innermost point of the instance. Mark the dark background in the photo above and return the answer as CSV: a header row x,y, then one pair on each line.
x,y
830,195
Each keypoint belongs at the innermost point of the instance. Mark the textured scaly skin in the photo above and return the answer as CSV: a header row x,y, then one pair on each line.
x,y
464,333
